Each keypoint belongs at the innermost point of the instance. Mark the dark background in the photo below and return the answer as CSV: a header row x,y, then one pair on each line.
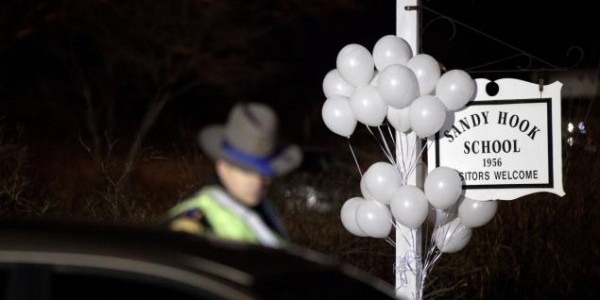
x,y
100,102
125,56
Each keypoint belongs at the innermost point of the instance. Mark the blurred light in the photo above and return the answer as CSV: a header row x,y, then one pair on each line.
x,y
570,127
570,141
581,127
307,197
311,198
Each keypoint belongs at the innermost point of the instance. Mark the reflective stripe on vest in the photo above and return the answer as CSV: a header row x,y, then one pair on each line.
x,y
228,218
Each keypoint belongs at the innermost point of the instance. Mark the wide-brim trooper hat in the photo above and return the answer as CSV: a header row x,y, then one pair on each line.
x,y
250,140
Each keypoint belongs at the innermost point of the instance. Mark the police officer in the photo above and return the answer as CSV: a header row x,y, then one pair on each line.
x,y
247,153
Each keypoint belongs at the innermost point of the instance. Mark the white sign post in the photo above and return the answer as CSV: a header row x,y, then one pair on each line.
x,y
408,241
507,145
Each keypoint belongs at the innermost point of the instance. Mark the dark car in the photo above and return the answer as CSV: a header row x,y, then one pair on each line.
x,y
66,260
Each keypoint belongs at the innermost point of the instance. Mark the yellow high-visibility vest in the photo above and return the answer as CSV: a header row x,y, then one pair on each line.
x,y
228,218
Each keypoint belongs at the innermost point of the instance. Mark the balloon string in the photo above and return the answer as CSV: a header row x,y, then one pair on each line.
x,y
388,155
400,164
432,256
387,147
413,165
407,241
414,157
407,154
392,137
403,142
431,246
410,151
393,223
390,241
354,156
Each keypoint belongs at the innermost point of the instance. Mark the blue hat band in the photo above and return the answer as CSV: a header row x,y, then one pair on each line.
x,y
259,163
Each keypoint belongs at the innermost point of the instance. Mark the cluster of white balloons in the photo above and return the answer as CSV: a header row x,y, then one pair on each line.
x,y
413,94
410,91
385,201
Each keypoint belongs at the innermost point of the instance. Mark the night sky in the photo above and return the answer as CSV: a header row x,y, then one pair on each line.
x,y
51,51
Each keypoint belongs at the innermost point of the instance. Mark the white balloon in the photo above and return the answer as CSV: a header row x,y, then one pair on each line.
x,y
398,86
440,217
452,237
427,70
355,64
399,118
427,115
448,121
374,219
367,105
381,181
389,50
409,206
348,216
473,213
364,191
443,187
334,84
373,81
455,89
338,116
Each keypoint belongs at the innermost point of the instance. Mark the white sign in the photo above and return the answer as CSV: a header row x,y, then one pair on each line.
x,y
507,145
